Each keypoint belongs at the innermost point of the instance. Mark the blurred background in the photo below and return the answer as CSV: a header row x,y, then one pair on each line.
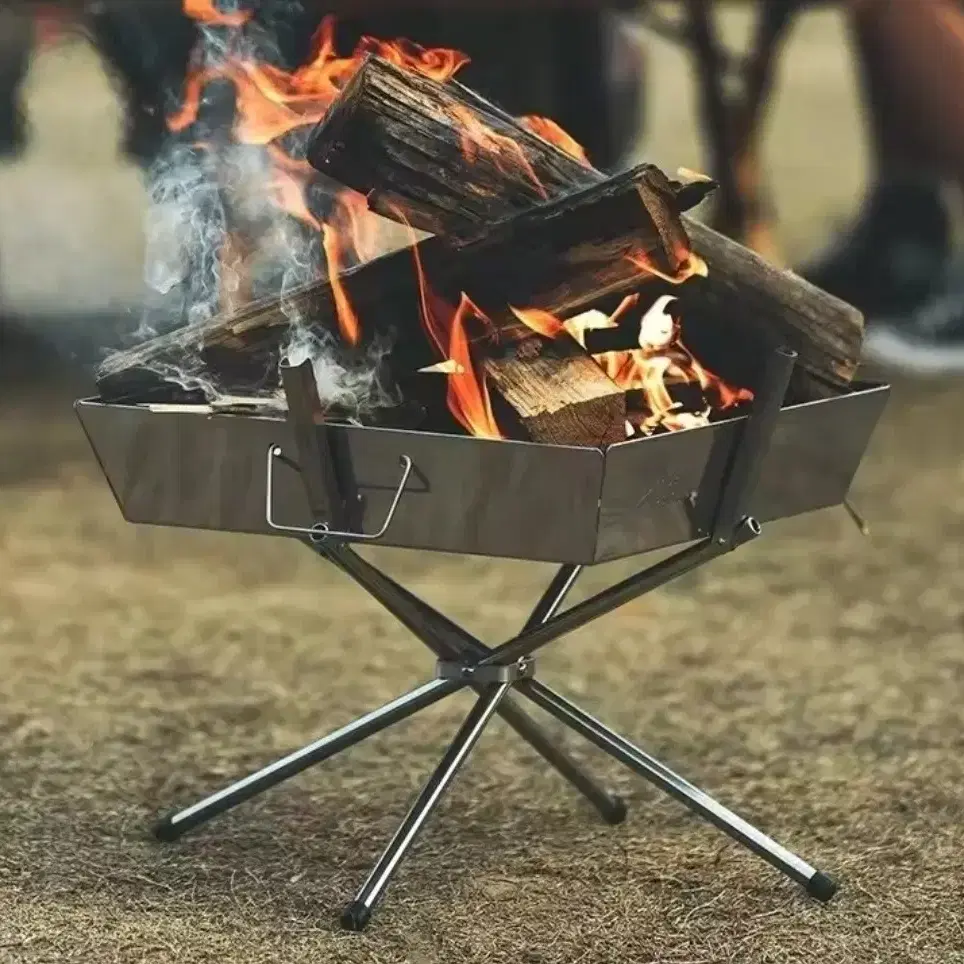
x,y
813,680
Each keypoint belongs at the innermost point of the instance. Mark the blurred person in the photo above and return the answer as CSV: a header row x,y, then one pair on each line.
x,y
559,58
16,43
896,262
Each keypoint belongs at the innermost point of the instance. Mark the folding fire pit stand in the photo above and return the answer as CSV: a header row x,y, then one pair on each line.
x,y
463,661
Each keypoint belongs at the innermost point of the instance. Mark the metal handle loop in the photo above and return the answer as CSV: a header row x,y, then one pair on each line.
x,y
321,530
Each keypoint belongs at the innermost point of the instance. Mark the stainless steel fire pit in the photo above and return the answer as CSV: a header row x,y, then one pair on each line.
x,y
331,485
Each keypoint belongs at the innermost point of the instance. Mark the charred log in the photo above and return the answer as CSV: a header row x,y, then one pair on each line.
x,y
411,137
741,291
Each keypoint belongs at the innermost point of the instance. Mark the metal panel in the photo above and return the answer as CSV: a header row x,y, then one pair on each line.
x,y
663,491
467,495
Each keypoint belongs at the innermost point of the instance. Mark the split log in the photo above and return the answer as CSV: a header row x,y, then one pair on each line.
x,y
557,393
559,257
412,136
741,288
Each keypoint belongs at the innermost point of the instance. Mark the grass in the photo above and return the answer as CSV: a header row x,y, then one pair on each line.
x,y
812,681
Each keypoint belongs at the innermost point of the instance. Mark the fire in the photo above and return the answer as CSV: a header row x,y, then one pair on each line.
x,y
691,266
468,396
206,11
505,152
660,362
550,131
271,104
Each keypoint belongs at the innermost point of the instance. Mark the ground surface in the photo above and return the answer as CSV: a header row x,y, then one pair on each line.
x,y
813,680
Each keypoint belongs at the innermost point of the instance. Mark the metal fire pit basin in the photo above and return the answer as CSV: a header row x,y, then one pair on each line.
x,y
475,496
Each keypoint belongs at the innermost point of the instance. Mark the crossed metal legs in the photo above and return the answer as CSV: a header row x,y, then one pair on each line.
x,y
492,673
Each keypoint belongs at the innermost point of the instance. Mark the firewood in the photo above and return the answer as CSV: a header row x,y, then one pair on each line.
x,y
557,393
558,257
741,291
411,136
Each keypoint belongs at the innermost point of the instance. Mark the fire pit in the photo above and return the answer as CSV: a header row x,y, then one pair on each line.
x,y
589,376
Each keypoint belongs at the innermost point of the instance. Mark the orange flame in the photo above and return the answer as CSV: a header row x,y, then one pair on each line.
x,y
661,361
289,178
206,11
550,131
272,102
504,151
542,322
468,396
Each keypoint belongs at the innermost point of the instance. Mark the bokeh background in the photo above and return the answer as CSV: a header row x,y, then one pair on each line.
x,y
814,680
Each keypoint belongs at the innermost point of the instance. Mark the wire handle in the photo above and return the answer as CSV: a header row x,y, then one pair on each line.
x,y
320,530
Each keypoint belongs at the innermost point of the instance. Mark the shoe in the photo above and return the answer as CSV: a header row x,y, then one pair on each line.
x,y
928,341
893,256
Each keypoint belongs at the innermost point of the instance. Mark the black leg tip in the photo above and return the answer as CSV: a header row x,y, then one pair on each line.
x,y
821,887
616,812
355,917
166,830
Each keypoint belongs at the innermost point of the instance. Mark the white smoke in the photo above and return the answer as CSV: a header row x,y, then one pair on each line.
x,y
202,189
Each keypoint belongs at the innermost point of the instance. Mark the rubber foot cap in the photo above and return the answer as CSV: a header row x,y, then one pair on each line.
x,y
166,831
616,813
821,887
355,917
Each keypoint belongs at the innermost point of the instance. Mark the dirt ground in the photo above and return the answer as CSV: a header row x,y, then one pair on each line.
x,y
813,680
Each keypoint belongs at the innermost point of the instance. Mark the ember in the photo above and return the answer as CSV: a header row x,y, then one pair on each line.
x,y
565,395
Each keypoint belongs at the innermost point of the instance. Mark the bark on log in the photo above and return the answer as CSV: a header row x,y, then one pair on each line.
x,y
413,137
742,288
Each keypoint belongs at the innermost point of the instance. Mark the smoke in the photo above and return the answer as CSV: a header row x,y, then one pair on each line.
x,y
217,237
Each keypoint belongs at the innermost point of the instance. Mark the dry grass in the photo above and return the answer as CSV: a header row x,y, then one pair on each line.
x,y
812,680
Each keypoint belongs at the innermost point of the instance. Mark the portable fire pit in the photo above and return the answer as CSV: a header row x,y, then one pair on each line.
x,y
558,440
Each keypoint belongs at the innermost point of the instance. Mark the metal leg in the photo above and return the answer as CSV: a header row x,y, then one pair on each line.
x,y
174,825
358,913
817,884
448,640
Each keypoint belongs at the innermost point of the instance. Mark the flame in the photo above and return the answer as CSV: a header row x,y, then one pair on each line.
x,y
289,178
272,103
691,265
468,396
550,131
505,152
660,362
447,367
206,11
541,322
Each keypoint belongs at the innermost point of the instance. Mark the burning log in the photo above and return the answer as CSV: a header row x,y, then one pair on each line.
x,y
558,257
741,287
557,393
411,136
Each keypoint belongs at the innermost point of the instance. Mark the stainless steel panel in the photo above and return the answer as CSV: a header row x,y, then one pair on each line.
x,y
467,495
663,491
512,499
